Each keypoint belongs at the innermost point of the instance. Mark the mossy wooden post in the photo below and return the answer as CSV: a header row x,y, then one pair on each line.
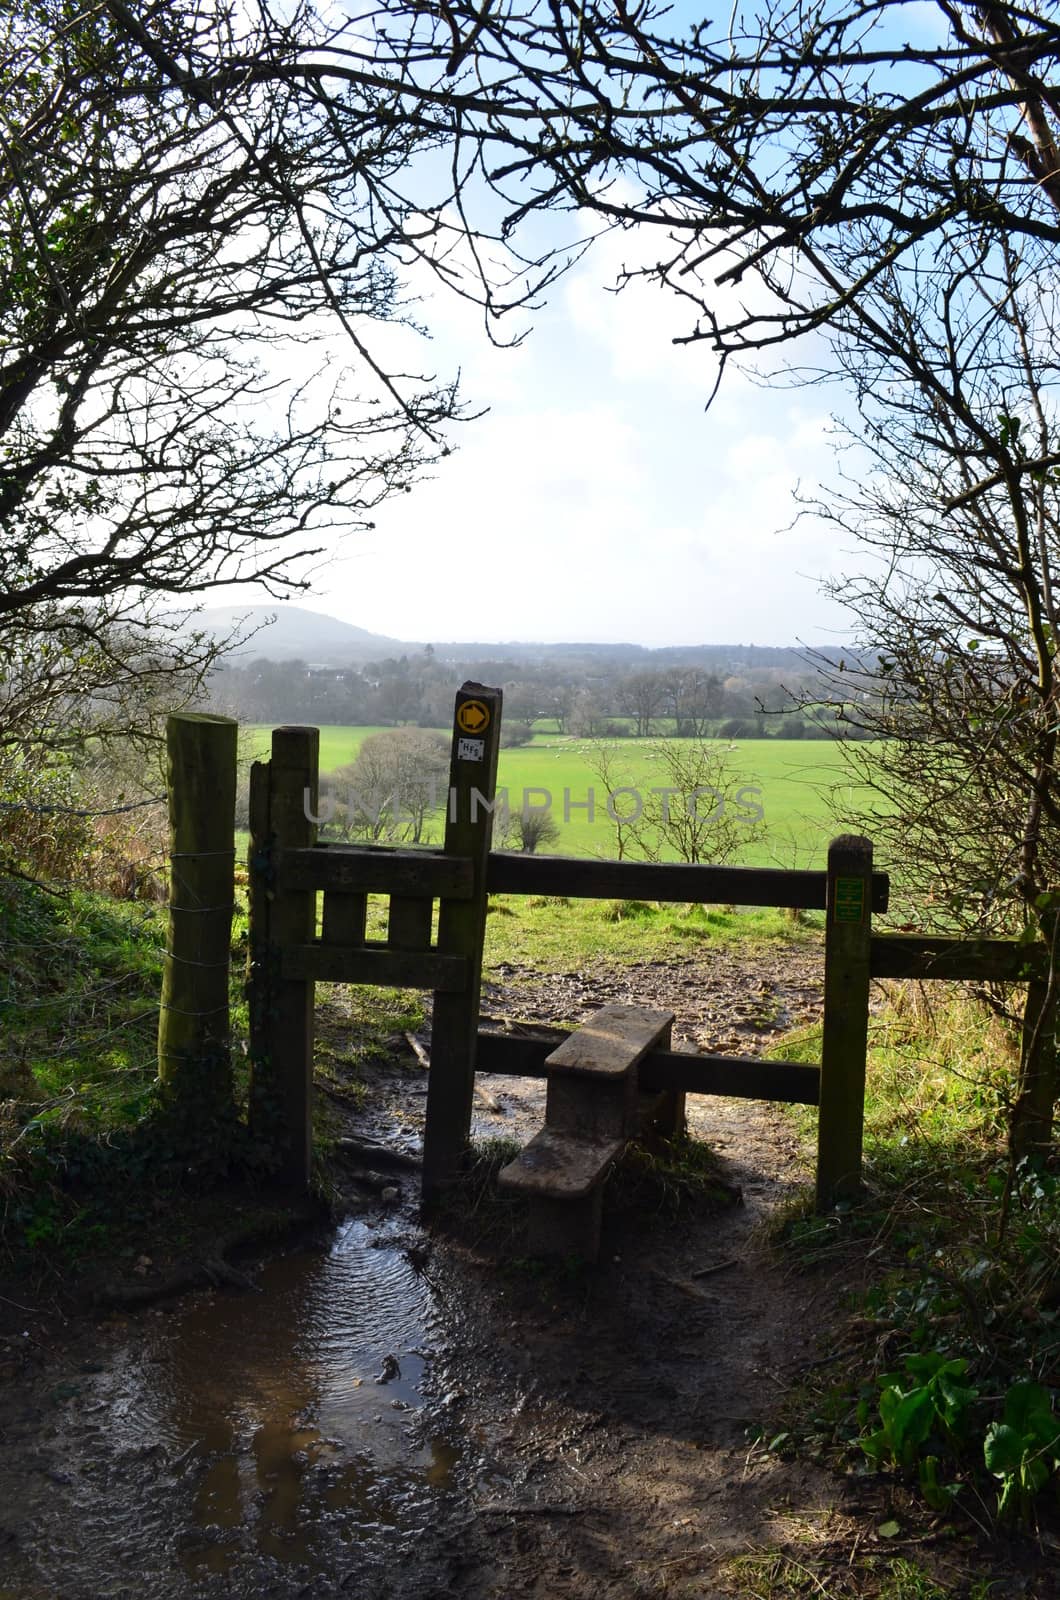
x,y
461,931
846,1020
194,1062
283,799
1031,1128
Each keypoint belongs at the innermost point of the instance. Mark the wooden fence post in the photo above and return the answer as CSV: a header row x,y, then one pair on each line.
x,y
461,931
193,1043
844,1042
283,797
1031,1128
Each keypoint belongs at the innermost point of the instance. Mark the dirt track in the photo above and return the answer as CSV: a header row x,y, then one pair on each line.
x,y
396,1414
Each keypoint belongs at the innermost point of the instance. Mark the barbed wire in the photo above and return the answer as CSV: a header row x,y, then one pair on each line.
x,y
75,811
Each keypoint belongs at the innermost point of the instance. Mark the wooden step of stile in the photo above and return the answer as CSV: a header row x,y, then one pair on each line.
x,y
562,1175
560,1165
592,1110
610,1043
592,1075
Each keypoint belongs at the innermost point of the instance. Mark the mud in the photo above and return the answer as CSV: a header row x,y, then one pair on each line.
x,y
386,1412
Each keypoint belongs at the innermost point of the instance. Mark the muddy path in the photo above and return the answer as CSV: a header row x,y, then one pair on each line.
x,y
382,1411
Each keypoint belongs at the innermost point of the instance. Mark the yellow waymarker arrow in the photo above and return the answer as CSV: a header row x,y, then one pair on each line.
x,y
473,716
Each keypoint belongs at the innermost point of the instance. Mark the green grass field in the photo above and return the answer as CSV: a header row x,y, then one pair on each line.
x,y
798,781
793,778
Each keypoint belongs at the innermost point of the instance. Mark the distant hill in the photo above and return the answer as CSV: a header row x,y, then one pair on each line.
x,y
290,633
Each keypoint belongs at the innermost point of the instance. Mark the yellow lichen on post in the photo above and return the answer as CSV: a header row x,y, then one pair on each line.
x,y
193,1027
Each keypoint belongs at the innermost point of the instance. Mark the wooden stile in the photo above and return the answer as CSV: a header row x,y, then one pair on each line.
x,y
288,870
593,1108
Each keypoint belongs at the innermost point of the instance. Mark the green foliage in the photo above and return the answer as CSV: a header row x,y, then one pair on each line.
x,y
669,1178
1022,1450
926,1413
779,1575
39,832
963,1304
923,1409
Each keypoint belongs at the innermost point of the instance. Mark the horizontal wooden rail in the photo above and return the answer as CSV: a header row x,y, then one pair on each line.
x,y
898,955
585,879
742,1077
375,871
397,969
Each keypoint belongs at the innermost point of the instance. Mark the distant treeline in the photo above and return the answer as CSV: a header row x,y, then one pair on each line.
x,y
576,695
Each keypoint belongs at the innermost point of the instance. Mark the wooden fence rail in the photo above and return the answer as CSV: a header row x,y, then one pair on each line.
x,y
897,955
741,1077
666,881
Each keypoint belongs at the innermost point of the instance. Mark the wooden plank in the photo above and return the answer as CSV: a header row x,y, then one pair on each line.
x,y
409,922
795,1083
395,969
593,1108
260,965
844,1038
560,1166
377,871
611,1042
738,1077
345,918
665,881
461,932
898,955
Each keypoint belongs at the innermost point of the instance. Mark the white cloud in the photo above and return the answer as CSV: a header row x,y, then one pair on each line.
x,y
597,499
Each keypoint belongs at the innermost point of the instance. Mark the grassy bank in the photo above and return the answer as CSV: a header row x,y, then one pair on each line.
x,y
944,1377
90,1150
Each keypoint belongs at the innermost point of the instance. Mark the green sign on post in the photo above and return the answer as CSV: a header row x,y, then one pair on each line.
x,y
849,900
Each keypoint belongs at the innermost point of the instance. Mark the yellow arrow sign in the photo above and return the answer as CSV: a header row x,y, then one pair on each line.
x,y
473,717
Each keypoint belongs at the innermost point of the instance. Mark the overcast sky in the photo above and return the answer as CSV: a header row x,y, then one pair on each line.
x,y
598,500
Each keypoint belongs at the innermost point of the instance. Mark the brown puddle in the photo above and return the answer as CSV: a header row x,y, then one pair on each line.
x,y
300,1402
245,1436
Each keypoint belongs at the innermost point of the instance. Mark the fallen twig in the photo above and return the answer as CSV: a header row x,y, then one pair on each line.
x,y
692,1290
717,1266
546,1510
417,1049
